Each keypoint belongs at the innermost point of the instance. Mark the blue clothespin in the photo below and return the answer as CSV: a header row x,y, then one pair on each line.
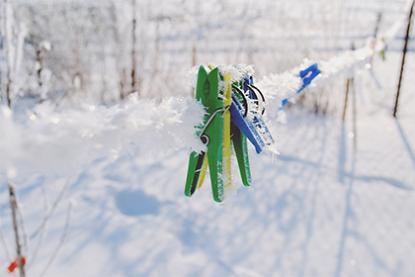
x,y
246,127
253,128
308,75
247,82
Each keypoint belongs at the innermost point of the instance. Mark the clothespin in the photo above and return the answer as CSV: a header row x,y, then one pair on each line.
x,y
228,120
211,134
227,151
240,131
15,264
245,126
307,76
251,124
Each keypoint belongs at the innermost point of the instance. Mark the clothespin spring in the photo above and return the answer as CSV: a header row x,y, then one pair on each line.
x,y
203,137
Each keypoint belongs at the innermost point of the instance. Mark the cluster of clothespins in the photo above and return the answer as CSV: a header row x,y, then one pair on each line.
x,y
234,112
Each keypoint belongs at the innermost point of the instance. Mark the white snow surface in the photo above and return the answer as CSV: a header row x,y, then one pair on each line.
x,y
100,188
90,132
320,208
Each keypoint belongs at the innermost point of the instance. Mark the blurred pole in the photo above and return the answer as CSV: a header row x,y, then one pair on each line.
x,y
404,51
157,47
378,20
354,116
349,84
134,82
375,35
194,62
39,66
346,98
13,206
196,13
7,36
194,55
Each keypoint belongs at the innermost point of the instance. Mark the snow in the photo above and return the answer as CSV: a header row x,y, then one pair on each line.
x,y
90,132
318,209
100,187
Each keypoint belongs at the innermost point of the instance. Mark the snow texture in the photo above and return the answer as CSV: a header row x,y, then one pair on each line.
x,y
85,134
100,188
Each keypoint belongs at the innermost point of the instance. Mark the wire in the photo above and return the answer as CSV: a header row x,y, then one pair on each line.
x,y
3,241
52,210
61,241
41,235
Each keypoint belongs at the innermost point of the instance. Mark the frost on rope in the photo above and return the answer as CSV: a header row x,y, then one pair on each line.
x,y
286,84
61,142
40,140
237,71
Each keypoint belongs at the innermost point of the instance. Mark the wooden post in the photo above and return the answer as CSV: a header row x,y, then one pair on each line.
x,y
349,83
194,55
194,62
404,51
133,47
354,115
8,89
375,36
346,99
39,66
7,36
13,207
378,20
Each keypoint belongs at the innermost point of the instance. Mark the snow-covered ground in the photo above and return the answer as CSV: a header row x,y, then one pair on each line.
x,y
323,207
100,186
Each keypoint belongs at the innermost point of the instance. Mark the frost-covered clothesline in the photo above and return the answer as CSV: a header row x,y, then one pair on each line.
x,y
285,86
61,142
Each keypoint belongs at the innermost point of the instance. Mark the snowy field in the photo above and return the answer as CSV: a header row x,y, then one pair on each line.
x,y
100,186
320,208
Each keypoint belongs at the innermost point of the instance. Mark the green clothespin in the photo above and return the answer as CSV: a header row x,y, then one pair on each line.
x,y
211,134
218,131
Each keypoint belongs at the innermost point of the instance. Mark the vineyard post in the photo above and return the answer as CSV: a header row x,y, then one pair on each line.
x,y
404,52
